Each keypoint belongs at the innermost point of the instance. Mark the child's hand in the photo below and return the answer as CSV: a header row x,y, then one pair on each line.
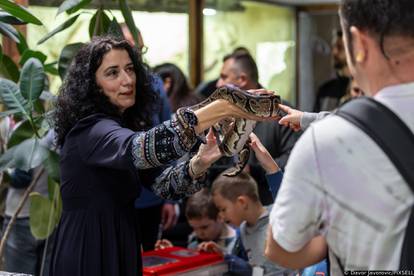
x,y
292,119
262,155
207,154
209,246
161,244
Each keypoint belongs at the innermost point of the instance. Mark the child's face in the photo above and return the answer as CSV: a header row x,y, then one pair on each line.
x,y
206,229
230,211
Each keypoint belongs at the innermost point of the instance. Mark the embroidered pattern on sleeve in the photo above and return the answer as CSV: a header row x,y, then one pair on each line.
x,y
165,142
176,183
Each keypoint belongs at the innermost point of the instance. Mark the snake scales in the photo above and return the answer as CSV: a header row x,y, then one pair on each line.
x,y
233,133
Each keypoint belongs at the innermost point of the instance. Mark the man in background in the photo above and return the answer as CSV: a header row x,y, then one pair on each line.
x,y
332,91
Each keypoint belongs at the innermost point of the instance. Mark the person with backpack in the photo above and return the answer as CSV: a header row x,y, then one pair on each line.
x,y
348,185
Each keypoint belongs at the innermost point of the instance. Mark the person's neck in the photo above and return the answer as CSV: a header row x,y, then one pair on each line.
x,y
391,78
398,69
254,211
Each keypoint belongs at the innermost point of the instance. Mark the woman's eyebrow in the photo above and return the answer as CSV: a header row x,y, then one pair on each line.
x,y
111,67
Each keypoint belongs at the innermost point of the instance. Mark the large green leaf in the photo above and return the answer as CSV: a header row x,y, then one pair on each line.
x,y
19,11
27,54
43,218
12,97
51,68
66,57
129,19
22,132
72,6
8,69
99,23
115,29
51,165
26,155
45,212
6,17
22,45
9,112
9,31
60,28
32,79
6,159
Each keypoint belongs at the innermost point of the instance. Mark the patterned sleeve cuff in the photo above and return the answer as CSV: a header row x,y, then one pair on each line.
x,y
166,142
176,183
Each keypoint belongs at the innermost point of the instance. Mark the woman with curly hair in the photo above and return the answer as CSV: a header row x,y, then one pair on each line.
x,y
105,104
176,85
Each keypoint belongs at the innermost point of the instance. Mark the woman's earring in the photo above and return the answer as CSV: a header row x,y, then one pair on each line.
x,y
360,57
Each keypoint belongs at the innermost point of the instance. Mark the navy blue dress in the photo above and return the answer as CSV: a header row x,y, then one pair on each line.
x,y
102,164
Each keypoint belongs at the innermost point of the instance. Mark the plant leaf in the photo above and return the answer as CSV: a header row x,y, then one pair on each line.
x,y
51,69
51,165
9,112
6,159
60,28
22,45
29,154
42,216
99,23
9,31
19,11
10,19
12,97
9,69
22,132
114,29
129,19
66,57
32,79
72,6
32,54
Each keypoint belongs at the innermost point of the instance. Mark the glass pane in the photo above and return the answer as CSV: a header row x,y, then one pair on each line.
x,y
164,33
268,31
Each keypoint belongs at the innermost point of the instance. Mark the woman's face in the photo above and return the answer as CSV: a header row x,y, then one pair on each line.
x,y
116,77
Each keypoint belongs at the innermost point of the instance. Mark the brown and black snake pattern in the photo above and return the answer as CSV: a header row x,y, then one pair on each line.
x,y
233,133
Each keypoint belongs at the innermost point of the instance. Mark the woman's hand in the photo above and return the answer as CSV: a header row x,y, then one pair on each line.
x,y
263,155
292,119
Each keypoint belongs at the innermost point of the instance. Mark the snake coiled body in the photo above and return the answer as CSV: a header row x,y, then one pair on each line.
x,y
233,133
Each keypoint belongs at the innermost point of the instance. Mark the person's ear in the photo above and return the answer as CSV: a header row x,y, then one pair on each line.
x,y
242,80
360,44
242,202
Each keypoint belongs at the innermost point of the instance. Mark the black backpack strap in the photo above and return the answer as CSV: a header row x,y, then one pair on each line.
x,y
397,141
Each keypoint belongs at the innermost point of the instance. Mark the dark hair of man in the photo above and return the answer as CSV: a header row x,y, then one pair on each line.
x,y
180,93
200,205
232,187
380,17
246,64
80,96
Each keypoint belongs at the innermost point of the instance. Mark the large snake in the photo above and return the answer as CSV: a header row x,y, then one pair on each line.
x,y
233,133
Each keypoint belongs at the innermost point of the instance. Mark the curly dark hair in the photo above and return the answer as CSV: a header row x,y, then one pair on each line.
x,y
180,93
80,96
380,17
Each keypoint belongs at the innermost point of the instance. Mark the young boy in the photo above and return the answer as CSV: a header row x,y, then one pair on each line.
x,y
210,231
238,202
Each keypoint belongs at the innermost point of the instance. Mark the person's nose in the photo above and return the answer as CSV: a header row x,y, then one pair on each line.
x,y
126,78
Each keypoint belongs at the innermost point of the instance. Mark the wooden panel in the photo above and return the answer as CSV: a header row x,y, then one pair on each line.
x,y
195,21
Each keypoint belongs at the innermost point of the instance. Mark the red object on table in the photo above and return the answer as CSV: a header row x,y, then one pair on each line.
x,y
178,260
